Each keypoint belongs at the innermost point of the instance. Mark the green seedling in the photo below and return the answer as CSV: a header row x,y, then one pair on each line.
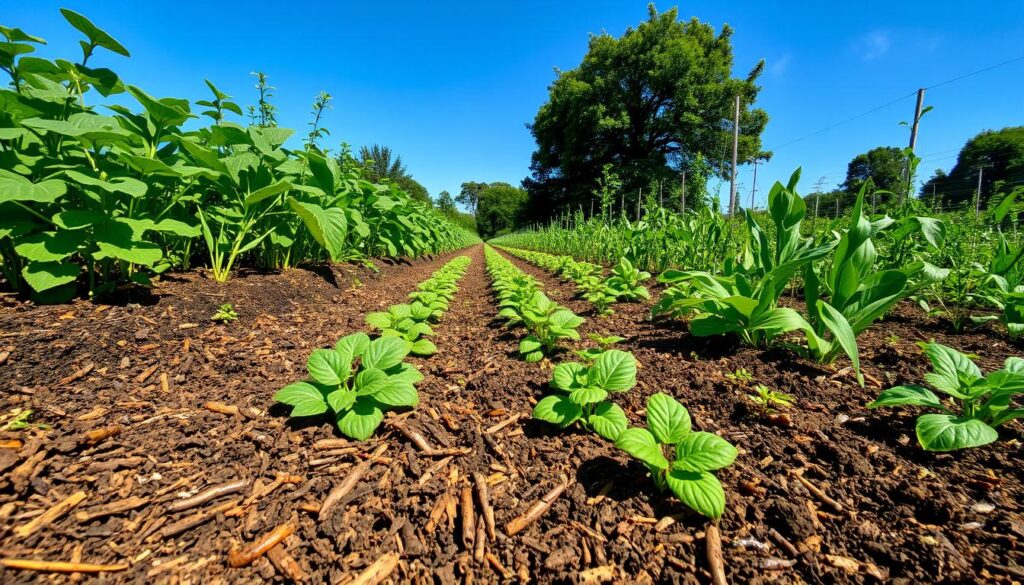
x,y
356,382
603,344
627,281
742,376
583,392
225,313
975,404
768,401
695,455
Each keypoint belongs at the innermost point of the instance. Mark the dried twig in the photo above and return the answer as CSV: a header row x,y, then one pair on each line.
x,y
483,496
468,517
716,562
59,566
380,570
111,509
535,511
58,510
285,564
261,546
342,489
819,493
190,522
210,493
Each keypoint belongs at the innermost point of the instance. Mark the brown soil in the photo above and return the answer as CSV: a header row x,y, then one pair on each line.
x,y
907,516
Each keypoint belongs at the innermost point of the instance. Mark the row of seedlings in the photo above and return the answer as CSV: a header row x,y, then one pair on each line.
x,y
626,282
581,394
360,378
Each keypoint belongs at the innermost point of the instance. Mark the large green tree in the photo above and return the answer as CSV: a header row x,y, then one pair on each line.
x,y
649,103
885,166
500,207
380,163
470,195
1000,154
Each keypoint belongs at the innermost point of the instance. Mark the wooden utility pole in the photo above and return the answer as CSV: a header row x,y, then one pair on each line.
x,y
639,196
977,195
682,195
753,189
661,195
913,141
817,198
735,152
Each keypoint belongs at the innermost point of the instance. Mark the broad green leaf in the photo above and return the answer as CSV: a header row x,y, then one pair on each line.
x,y
529,344
557,409
327,226
946,432
608,420
76,219
406,373
952,370
614,370
398,394
588,395
384,353
701,451
568,375
370,381
43,276
327,366
379,320
360,422
640,443
352,345
116,239
17,188
842,334
668,420
699,490
267,192
340,399
423,347
49,246
907,395
305,399
92,32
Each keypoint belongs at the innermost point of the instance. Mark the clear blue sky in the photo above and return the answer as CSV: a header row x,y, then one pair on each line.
x,y
449,86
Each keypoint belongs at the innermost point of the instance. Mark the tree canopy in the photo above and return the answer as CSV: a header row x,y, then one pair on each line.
x,y
1000,152
649,103
500,208
884,165
380,163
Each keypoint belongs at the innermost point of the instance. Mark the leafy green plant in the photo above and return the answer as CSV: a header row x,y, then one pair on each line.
x,y
768,401
695,455
627,281
980,403
741,375
356,382
225,313
583,392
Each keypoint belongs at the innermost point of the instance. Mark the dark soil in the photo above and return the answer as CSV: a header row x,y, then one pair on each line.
x,y
151,369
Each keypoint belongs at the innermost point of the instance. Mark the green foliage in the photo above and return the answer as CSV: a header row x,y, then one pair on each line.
x,y
225,313
355,382
582,393
521,302
630,103
627,281
695,455
409,322
102,183
1002,150
499,208
768,400
741,375
885,167
985,401
604,343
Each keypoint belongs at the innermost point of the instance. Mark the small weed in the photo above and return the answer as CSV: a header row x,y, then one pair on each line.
x,y
225,314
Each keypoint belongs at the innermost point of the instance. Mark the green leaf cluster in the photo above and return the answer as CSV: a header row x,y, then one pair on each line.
x,y
582,394
975,404
695,455
356,382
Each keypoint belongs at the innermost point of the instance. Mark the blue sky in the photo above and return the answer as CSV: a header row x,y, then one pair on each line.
x,y
450,86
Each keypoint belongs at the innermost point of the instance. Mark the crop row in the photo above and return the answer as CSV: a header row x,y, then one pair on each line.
x,y
100,199
581,393
624,284
360,378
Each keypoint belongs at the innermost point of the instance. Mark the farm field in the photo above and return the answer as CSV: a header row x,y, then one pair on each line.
x,y
233,352
187,408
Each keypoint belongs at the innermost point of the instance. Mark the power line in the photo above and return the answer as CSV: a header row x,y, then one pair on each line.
x,y
972,73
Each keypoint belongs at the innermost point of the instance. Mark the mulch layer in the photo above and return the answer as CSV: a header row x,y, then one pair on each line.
x,y
146,405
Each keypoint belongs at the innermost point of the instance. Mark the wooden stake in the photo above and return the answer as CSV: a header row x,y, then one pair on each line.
x,y
59,566
57,511
716,562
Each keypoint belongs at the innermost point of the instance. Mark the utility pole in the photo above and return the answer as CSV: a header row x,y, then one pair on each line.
x,y
735,150
682,195
934,201
661,195
977,195
639,196
817,198
754,188
913,140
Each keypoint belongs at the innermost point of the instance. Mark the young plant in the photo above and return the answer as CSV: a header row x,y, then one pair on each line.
x,y
408,323
356,382
225,314
604,343
742,376
768,401
598,292
695,455
627,281
583,392
548,323
985,402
